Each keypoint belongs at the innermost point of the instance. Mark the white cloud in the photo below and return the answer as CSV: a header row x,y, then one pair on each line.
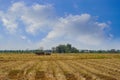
x,y
9,24
80,29
8,21
36,18
23,37
83,31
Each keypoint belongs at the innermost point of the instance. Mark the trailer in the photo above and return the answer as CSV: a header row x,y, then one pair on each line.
x,y
43,53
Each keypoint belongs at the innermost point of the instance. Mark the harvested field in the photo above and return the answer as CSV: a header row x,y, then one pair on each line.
x,y
60,67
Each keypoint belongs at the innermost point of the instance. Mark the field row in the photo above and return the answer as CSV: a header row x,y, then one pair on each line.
x,y
82,69
27,57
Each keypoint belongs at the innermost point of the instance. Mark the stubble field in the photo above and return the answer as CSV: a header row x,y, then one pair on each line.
x,y
60,67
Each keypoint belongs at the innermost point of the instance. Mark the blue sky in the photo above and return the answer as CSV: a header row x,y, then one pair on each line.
x,y
86,24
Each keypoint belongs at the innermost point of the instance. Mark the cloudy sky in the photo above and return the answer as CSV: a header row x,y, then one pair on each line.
x,y
86,24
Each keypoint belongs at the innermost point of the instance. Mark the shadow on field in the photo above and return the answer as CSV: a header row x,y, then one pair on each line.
x,y
106,77
16,74
70,76
40,75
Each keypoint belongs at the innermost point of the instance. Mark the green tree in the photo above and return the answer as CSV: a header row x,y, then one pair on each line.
x,y
65,49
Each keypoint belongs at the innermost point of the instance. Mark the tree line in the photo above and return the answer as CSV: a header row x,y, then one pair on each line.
x,y
62,48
